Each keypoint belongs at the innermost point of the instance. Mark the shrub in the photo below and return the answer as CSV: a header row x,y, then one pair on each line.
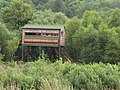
x,y
59,76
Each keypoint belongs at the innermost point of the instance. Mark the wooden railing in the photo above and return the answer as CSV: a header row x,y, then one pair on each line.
x,y
42,37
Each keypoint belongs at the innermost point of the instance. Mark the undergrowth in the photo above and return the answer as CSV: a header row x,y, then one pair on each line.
x,y
43,75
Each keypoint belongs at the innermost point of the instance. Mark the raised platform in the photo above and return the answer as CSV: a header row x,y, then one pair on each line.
x,y
42,45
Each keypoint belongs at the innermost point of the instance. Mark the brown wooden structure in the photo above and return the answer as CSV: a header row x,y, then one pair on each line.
x,y
43,36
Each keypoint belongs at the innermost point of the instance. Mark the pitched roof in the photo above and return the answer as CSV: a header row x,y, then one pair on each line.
x,y
43,26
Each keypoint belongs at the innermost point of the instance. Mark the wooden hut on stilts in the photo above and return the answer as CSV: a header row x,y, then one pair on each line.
x,y
36,37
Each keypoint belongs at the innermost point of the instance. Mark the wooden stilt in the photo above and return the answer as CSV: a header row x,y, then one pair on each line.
x,y
22,53
59,51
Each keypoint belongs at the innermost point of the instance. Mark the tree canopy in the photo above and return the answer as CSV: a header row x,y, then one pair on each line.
x,y
8,42
92,26
48,17
90,39
17,14
90,59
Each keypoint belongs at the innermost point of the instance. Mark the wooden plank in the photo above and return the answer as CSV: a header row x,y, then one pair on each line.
x,y
62,37
40,41
45,45
41,31
23,34
41,37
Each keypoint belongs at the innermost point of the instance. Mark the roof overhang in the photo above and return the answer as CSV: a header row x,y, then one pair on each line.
x,y
48,27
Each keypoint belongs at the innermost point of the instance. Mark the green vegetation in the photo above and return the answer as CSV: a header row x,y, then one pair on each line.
x,y
17,14
8,43
59,76
92,40
48,17
1,0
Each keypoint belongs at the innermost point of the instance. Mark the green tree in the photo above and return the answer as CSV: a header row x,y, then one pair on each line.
x,y
4,3
43,17
48,17
1,56
118,31
74,8
4,35
59,6
71,27
114,19
86,42
78,7
60,18
56,6
17,14
39,4
8,42
109,45
91,17
12,46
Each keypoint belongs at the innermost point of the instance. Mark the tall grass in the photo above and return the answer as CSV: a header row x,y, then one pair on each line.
x,y
43,75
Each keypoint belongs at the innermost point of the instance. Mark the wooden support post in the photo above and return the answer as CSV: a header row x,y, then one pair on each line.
x,y
63,53
59,51
22,53
27,53
39,51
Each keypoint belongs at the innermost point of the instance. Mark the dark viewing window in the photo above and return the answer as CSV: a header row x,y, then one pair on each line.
x,y
30,33
40,34
54,34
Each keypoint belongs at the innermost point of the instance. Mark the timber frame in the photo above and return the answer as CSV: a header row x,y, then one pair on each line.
x,y
42,36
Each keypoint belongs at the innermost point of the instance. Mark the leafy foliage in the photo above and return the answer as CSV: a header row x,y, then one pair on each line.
x,y
93,35
71,26
48,17
56,76
92,40
8,42
17,14
91,17
86,42
114,19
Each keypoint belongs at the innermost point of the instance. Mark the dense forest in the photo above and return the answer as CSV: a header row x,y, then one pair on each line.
x,y
92,41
